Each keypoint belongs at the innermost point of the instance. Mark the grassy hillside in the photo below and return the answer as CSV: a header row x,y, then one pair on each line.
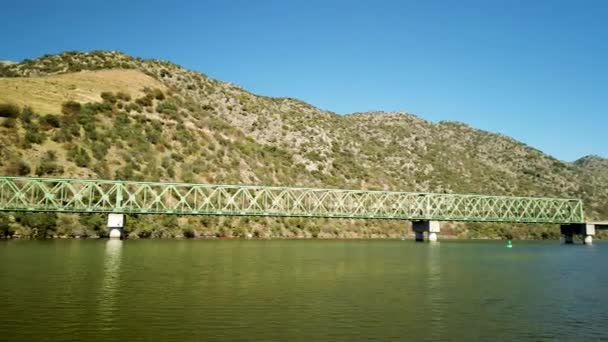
x,y
107,115
47,93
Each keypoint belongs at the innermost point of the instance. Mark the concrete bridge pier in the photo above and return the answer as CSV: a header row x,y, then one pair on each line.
x,y
585,230
567,231
588,232
116,224
430,227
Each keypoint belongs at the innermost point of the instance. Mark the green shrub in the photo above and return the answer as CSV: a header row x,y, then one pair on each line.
x,y
188,232
155,93
27,115
79,156
314,156
93,108
315,230
88,121
154,132
100,149
95,221
9,110
9,123
69,129
177,157
135,107
123,96
122,126
168,164
6,72
48,165
22,168
125,173
50,121
71,108
44,224
145,101
33,134
164,73
167,107
5,228
108,97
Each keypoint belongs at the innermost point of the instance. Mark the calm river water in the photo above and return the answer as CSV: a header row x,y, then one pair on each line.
x,y
188,290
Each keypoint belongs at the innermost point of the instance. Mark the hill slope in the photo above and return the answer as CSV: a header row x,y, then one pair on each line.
x,y
158,121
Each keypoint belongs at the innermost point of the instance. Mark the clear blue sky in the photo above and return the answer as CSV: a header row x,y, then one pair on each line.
x,y
534,70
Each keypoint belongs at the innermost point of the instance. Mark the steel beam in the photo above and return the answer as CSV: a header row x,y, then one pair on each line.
x,y
105,196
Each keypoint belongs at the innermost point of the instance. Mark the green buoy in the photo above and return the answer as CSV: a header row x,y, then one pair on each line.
x,y
509,244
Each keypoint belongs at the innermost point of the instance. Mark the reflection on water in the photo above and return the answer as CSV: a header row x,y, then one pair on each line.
x,y
293,290
110,283
436,295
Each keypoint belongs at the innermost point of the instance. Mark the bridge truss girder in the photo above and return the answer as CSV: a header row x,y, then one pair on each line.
x,y
102,196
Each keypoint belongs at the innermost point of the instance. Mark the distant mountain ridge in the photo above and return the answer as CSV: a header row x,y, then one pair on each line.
x,y
592,161
154,120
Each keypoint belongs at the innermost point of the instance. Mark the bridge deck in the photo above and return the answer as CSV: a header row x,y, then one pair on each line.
x,y
104,196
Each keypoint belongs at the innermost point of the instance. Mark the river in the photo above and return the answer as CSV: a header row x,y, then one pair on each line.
x,y
208,290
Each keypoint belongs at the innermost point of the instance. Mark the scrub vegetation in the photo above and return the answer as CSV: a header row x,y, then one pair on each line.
x,y
104,114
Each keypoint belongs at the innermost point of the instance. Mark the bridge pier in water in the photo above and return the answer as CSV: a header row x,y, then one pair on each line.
x,y
585,230
116,224
432,228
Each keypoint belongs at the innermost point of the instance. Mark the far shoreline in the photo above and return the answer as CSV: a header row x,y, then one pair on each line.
x,y
127,238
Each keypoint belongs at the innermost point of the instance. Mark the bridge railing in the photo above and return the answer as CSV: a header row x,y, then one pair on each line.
x,y
103,196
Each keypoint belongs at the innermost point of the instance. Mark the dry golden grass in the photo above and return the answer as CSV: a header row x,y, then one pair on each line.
x,y
46,94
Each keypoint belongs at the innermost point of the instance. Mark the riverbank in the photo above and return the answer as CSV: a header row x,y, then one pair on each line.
x,y
51,225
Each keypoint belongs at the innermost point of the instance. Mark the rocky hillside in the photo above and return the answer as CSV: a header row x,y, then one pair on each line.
x,y
108,115
594,163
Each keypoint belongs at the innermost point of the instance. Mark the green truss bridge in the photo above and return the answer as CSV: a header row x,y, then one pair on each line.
x,y
425,209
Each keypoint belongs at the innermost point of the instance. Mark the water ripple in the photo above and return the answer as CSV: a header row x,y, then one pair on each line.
x,y
301,290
